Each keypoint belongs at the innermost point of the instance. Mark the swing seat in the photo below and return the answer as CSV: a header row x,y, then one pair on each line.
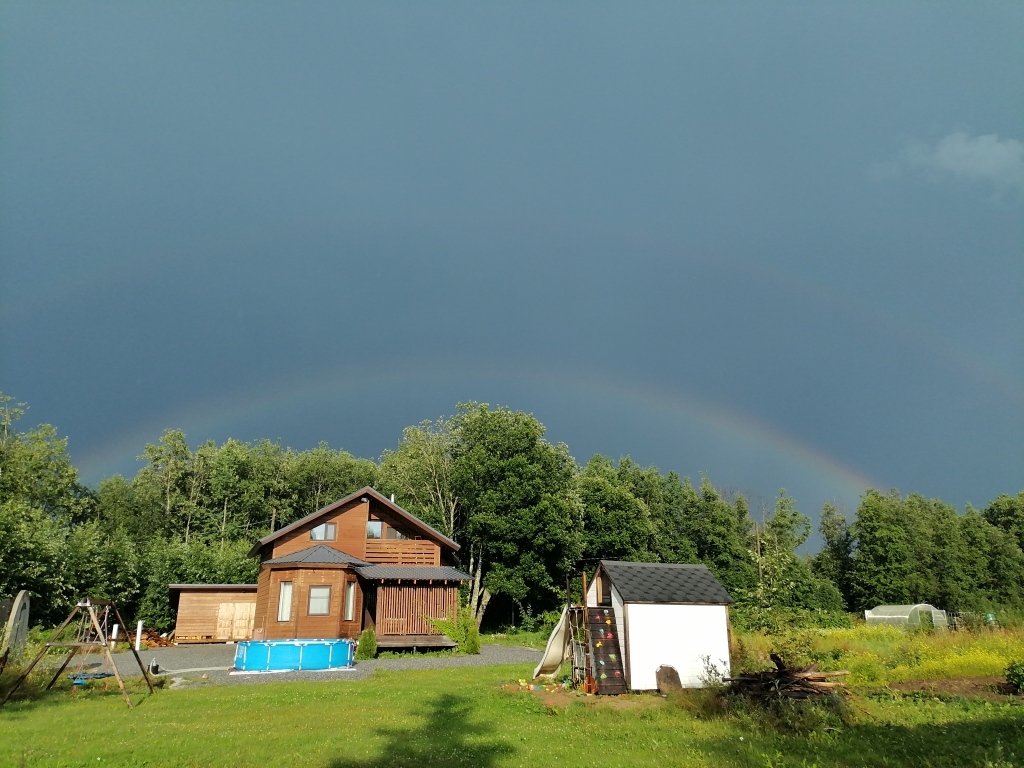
x,y
81,678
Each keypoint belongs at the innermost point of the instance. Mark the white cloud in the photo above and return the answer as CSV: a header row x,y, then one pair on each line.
x,y
978,158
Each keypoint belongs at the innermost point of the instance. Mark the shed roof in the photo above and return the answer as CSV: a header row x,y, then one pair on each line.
x,y
665,583
212,587
426,572
319,554
431,533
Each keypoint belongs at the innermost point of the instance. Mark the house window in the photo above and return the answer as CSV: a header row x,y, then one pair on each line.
x,y
284,602
350,601
324,532
394,533
374,528
319,601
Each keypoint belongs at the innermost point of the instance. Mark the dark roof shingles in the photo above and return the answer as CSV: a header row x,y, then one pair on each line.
x,y
319,554
427,572
665,583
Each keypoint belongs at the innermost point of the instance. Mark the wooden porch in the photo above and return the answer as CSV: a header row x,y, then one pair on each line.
x,y
415,641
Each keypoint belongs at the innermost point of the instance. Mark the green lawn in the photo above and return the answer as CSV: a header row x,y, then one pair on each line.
x,y
462,717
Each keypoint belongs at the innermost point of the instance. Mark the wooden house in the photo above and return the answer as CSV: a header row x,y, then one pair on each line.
x,y
213,613
360,562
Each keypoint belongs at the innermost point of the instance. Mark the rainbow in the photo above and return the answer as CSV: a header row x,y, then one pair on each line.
x,y
347,386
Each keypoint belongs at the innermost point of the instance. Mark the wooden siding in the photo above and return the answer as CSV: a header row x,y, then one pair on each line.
x,y
207,616
350,534
402,552
301,624
403,609
262,605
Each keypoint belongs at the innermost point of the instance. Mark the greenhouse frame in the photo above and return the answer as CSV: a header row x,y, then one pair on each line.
x,y
907,615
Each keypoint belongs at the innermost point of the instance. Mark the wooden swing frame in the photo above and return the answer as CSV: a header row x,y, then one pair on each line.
x,y
85,608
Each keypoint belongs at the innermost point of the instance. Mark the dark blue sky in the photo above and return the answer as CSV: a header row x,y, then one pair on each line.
x,y
783,245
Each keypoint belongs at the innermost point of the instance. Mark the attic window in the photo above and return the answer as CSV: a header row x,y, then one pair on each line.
x,y
394,533
374,529
324,532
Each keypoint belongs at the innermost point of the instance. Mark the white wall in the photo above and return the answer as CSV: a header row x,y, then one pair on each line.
x,y
676,636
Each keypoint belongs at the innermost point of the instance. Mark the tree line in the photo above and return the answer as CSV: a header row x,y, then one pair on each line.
x,y
528,518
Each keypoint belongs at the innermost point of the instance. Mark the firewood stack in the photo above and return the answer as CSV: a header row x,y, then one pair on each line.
x,y
152,639
787,682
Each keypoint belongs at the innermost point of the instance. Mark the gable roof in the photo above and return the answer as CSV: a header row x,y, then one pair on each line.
x,y
665,583
431,533
319,554
430,572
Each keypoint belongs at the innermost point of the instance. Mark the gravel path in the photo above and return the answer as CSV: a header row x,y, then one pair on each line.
x,y
186,664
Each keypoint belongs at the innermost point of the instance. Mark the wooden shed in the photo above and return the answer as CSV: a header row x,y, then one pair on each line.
x,y
213,613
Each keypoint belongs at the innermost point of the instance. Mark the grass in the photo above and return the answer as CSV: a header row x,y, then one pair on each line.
x,y
454,718
463,717
882,655
536,640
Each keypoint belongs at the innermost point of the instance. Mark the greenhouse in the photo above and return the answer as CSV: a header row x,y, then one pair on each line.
x,y
918,615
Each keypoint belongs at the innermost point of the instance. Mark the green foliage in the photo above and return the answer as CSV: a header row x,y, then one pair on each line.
x,y
367,647
1015,675
462,628
526,517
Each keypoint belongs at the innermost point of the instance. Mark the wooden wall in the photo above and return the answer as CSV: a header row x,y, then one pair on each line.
x,y
351,532
301,624
209,616
402,552
351,537
402,608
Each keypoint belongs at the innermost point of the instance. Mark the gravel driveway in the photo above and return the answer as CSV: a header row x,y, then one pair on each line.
x,y
186,664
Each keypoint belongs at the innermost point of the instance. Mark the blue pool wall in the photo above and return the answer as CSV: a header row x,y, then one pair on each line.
x,y
282,655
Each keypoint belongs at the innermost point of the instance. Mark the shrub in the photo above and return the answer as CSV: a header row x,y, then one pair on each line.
x,y
367,647
1015,675
460,627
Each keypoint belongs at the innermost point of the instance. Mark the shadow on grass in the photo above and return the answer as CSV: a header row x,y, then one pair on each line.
x,y
993,742
447,739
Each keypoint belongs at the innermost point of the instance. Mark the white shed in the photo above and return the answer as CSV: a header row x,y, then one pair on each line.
x,y
664,615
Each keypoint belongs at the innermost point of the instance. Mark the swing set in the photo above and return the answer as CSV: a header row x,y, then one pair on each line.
x,y
90,631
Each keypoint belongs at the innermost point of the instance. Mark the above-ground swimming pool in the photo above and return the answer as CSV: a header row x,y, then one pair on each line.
x,y
282,655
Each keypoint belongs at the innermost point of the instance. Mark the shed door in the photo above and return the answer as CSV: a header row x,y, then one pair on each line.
x,y
235,620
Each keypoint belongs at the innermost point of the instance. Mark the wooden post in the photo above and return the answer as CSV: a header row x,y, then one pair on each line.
x,y
135,652
42,652
62,667
106,651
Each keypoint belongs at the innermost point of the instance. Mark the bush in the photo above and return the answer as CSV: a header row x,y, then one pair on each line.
x,y
461,628
367,647
1015,675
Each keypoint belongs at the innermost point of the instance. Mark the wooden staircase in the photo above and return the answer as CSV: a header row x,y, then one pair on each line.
x,y
605,657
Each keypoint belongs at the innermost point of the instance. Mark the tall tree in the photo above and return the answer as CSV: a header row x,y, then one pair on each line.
x,y
616,524
522,512
881,564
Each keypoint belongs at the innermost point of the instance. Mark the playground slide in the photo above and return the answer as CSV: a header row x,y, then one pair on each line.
x,y
555,651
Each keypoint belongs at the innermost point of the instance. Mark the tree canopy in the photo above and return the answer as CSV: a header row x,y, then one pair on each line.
x,y
524,512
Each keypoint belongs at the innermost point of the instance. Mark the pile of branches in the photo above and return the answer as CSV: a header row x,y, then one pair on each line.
x,y
787,682
152,639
